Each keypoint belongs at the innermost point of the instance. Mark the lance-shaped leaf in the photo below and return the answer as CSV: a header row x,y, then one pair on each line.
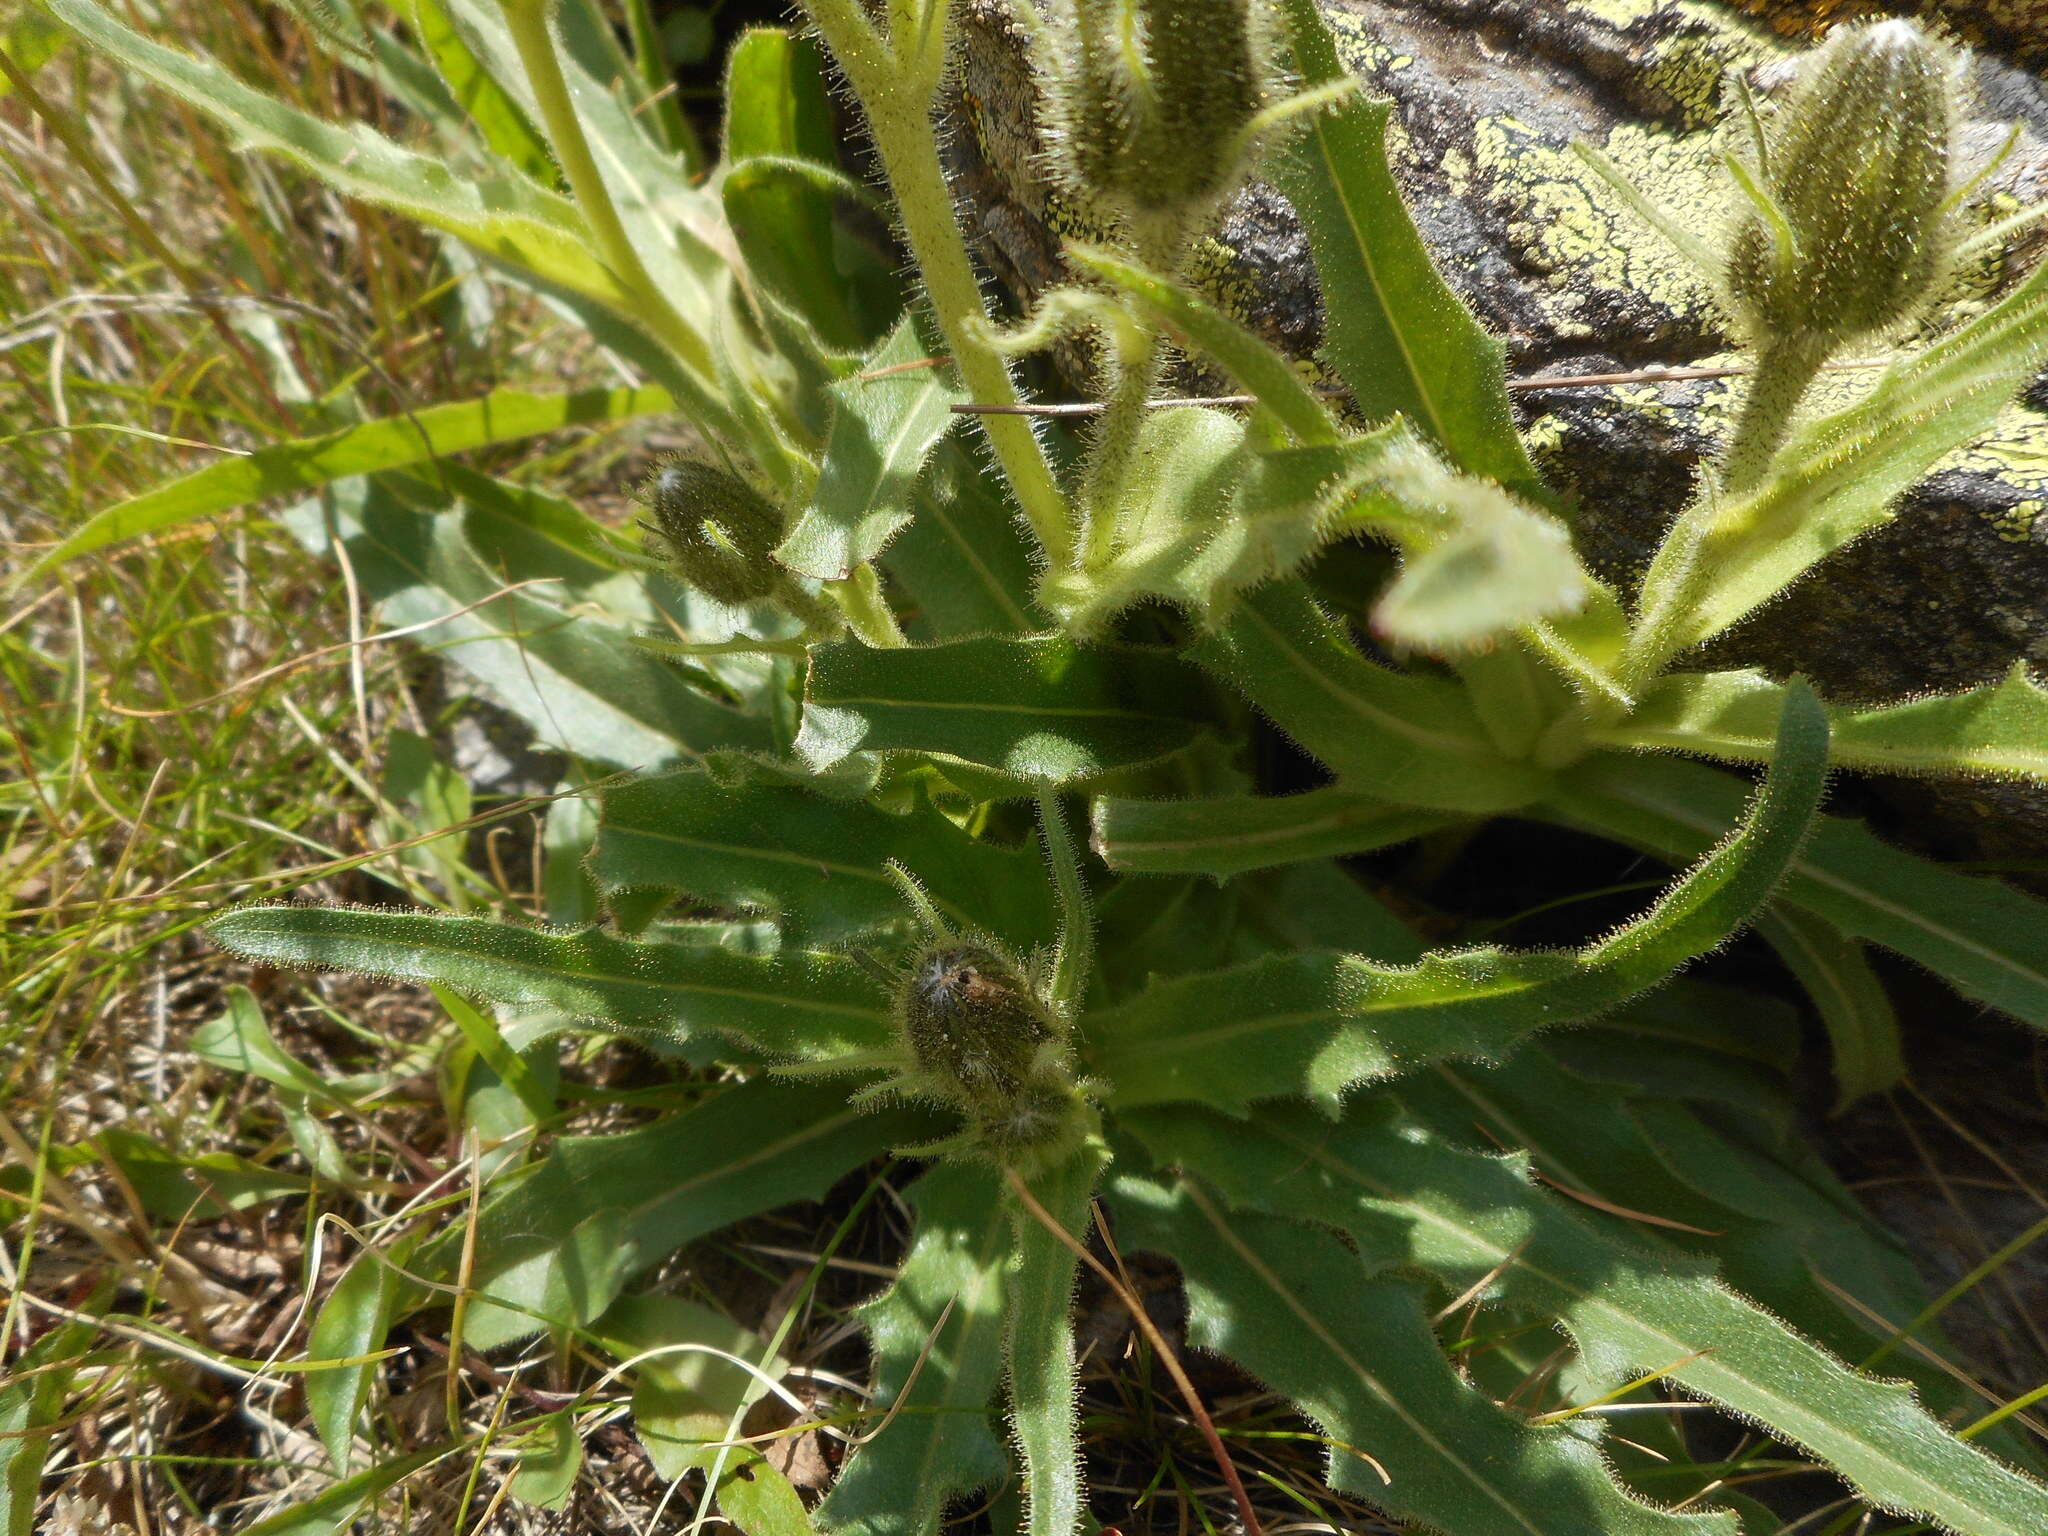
x,y
558,1246
581,684
939,1444
1988,940
1997,731
392,442
886,420
1400,339
504,216
1036,710
777,105
795,1003
1039,1347
1321,1022
818,864
1839,475
1410,740
1292,1305
962,558
1474,1220
1862,1025
1232,835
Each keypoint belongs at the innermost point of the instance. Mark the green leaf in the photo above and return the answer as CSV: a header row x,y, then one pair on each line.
x,y
1839,475
335,1508
550,1456
1321,1022
1041,709
962,558
1862,1026
790,1004
1293,1306
816,863
1039,1347
1988,940
759,1500
353,1322
1407,739
939,1445
1997,731
1229,836
495,114
31,1404
776,105
886,420
557,1246
1396,333
581,684
239,1040
1408,1201
505,216
686,1391
417,437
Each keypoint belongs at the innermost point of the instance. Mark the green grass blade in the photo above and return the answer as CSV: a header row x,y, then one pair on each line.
x,y
1293,1306
1231,836
1985,938
939,1444
792,1004
393,442
1322,1022
1408,1201
1396,333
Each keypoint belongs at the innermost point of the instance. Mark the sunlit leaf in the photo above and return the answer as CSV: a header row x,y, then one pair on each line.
x,y
1318,1022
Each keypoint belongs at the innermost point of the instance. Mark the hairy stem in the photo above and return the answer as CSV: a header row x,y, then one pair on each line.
x,y
867,612
533,36
1075,956
896,85
1784,369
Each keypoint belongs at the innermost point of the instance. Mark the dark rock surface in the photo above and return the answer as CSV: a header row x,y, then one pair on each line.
x,y
1489,95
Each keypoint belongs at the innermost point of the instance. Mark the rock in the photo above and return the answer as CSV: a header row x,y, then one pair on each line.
x,y
1489,95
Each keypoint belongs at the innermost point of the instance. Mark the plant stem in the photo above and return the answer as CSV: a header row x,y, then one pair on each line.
x,y
867,611
896,94
532,34
1075,955
1784,369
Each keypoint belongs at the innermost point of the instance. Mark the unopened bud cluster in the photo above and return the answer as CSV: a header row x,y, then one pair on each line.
x,y
984,1043
1856,165
718,531
1152,99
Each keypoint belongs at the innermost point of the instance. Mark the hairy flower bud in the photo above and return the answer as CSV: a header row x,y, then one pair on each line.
x,y
1845,236
987,1045
1153,98
719,531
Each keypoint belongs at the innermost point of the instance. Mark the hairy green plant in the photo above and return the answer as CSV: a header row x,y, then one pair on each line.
x,y
818,716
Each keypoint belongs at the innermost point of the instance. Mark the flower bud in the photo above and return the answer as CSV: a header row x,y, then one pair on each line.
x,y
972,1021
986,1044
1152,99
1856,169
719,531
